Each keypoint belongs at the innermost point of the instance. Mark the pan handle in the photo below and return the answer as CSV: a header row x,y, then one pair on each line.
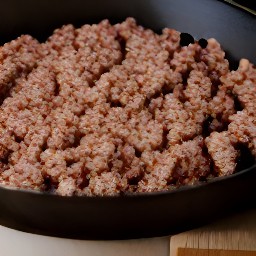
x,y
241,6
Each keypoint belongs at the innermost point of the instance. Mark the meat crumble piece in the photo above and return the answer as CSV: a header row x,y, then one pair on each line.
x,y
104,110
15,176
99,50
214,57
17,58
61,40
185,59
242,83
245,89
222,152
107,183
177,121
197,94
221,107
144,133
7,143
243,129
170,40
67,187
180,164
210,60
144,71
183,121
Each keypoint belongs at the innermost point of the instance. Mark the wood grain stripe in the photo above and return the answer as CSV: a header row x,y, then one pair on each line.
x,y
213,252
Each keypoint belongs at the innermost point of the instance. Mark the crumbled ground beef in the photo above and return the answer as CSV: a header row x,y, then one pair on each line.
x,y
106,110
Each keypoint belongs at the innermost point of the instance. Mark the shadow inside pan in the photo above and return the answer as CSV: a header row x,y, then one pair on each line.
x,y
234,29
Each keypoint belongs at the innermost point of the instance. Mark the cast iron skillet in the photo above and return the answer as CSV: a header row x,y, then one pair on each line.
x,y
142,215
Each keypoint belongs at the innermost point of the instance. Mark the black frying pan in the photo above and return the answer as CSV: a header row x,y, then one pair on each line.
x,y
141,215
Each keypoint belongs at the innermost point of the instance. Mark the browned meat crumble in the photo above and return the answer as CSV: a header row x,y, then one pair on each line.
x,y
106,110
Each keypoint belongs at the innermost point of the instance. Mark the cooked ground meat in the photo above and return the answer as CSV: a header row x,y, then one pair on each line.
x,y
106,110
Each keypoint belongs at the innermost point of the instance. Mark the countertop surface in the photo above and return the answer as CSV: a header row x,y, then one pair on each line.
x,y
237,232
16,243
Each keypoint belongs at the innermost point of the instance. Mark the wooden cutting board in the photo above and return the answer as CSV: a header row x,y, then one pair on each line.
x,y
235,236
